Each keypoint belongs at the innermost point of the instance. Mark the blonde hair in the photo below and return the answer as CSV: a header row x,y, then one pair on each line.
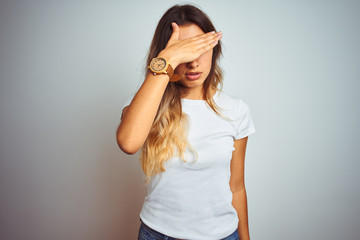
x,y
168,135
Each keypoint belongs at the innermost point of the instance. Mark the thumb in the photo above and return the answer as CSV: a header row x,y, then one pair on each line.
x,y
175,33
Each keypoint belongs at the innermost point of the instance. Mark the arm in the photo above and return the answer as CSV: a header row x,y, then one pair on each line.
x,y
139,116
237,186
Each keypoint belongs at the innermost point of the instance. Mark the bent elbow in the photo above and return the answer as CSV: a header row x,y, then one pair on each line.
x,y
128,141
127,147
128,150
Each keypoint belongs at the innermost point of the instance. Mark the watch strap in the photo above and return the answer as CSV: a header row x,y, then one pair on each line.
x,y
174,77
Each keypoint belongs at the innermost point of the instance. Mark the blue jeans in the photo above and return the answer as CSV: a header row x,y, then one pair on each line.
x,y
146,233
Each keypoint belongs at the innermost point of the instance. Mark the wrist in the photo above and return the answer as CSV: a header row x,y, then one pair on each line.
x,y
171,60
162,65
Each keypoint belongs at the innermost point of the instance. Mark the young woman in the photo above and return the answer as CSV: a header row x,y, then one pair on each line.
x,y
193,136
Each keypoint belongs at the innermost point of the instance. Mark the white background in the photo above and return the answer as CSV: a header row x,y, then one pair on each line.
x,y
66,68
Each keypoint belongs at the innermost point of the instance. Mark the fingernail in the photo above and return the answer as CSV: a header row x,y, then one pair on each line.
x,y
212,32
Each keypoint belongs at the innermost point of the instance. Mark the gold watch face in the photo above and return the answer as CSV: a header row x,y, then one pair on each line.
x,y
158,64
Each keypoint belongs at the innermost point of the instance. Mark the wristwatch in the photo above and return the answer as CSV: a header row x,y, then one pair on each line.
x,y
160,66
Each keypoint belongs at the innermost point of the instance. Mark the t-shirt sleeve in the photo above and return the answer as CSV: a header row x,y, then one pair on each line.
x,y
127,102
244,123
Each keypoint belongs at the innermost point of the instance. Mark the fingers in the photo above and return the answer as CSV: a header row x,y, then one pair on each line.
x,y
202,37
209,42
175,33
188,49
206,38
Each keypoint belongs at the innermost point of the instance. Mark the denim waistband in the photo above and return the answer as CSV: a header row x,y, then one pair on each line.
x,y
156,234
159,235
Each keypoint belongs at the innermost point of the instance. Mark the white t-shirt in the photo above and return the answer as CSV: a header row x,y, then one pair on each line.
x,y
192,199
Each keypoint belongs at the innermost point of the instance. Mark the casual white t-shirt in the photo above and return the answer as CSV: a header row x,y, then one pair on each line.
x,y
192,199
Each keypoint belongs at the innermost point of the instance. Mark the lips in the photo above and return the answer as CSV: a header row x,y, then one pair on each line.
x,y
193,75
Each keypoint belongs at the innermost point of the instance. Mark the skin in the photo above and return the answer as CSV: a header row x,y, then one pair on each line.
x,y
201,64
237,186
188,49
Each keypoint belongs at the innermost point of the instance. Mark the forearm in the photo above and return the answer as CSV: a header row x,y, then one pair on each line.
x,y
240,204
139,117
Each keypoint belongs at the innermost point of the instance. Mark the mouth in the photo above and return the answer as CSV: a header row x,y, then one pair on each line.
x,y
193,75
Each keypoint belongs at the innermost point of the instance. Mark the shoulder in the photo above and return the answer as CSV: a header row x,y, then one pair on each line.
x,y
239,113
229,103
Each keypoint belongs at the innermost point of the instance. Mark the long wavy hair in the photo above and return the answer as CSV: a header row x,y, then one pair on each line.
x,y
168,135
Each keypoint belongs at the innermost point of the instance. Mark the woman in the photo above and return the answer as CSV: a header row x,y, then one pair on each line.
x,y
193,137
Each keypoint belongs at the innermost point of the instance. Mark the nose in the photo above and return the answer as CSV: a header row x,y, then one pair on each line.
x,y
193,64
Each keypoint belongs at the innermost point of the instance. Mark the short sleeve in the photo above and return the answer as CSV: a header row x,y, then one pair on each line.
x,y
243,122
127,103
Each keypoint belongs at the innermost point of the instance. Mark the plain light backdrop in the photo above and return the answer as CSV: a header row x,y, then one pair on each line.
x,y
67,67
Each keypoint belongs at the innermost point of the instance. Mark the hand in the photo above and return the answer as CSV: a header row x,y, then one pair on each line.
x,y
187,50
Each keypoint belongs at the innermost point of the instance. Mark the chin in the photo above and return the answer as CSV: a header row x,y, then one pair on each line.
x,y
191,84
